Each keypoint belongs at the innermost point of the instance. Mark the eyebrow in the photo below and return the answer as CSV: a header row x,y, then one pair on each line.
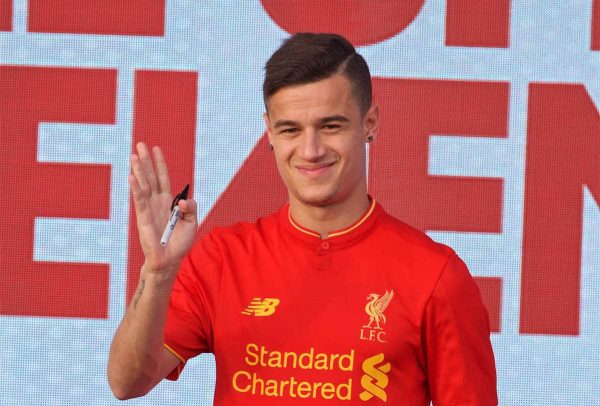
x,y
337,117
282,123
324,120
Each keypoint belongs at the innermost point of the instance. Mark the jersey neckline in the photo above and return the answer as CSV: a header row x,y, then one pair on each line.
x,y
337,237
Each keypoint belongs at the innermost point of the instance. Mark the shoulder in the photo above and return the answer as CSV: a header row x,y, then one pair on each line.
x,y
413,242
221,244
241,233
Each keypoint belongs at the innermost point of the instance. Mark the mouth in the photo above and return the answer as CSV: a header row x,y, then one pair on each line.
x,y
314,170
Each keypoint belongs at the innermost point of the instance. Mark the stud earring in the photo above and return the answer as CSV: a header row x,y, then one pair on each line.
x,y
271,147
370,139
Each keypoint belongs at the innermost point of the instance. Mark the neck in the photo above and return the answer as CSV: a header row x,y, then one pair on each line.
x,y
328,218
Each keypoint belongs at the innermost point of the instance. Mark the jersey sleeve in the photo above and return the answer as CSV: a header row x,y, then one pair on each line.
x,y
460,360
193,302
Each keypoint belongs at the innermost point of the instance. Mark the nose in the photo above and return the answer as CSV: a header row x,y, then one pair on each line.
x,y
312,147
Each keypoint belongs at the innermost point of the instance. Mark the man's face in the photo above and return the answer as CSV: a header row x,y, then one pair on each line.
x,y
318,135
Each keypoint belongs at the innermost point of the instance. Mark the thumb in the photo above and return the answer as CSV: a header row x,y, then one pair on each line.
x,y
189,210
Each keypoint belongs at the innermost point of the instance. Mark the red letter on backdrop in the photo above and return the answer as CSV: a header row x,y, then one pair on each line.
x,y
116,17
32,189
563,154
164,115
5,15
480,23
362,22
413,110
596,26
255,191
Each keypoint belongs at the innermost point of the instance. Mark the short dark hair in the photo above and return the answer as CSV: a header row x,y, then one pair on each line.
x,y
308,57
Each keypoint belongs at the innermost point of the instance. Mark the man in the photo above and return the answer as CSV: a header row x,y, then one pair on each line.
x,y
329,299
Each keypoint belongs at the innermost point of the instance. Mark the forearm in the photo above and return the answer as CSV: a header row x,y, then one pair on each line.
x,y
137,360
137,347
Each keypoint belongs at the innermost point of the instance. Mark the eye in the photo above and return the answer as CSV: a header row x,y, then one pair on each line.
x,y
331,127
289,131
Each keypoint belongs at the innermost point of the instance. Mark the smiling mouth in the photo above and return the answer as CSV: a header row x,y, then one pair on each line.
x,y
315,170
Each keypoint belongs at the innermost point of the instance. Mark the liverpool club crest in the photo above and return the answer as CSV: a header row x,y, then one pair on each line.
x,y
375,308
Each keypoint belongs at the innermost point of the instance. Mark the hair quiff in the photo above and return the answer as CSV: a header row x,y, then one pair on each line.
x,y
307,57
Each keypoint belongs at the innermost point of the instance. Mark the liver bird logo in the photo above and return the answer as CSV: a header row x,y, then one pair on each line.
x,y
375,307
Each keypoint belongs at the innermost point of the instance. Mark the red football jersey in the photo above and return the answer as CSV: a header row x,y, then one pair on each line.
x,y
377,312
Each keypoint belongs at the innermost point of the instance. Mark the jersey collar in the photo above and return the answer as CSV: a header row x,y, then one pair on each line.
x,y
346,234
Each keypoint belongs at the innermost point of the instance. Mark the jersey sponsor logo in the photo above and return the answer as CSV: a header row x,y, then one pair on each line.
x,y
375,378
261,307
252,383
376,305
310,374
256,377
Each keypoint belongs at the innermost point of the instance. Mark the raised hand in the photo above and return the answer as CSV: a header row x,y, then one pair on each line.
x,y
152,198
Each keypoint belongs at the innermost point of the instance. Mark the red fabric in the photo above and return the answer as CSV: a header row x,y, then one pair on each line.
x,y
432,343
458,356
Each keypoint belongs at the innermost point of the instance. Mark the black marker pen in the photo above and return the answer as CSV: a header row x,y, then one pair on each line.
x,y
175,214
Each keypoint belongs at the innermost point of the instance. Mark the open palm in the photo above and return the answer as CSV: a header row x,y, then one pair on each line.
x,y
152,199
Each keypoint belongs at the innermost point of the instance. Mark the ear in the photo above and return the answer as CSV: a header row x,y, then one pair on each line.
x,y
268,125
371,122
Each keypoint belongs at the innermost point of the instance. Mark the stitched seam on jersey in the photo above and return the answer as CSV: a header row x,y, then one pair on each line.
x,y
211,323
218,304
421,338
172,351
206,309
453,254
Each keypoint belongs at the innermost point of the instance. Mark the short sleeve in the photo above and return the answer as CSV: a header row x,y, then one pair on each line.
x,y
193,302
460,360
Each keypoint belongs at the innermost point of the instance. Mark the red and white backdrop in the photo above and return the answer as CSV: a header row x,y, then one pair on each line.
x,y
490,142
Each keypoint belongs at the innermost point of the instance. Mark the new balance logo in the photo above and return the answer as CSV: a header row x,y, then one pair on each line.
x,y
375,379
261,307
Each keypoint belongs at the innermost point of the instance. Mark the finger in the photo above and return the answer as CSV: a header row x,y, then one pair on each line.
x,y
164,184
140,175
147,166
139,202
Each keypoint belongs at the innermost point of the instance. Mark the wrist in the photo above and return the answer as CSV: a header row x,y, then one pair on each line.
x,y
161,276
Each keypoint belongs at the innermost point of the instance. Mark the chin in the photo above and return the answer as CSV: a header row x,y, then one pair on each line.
x,y
317,199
